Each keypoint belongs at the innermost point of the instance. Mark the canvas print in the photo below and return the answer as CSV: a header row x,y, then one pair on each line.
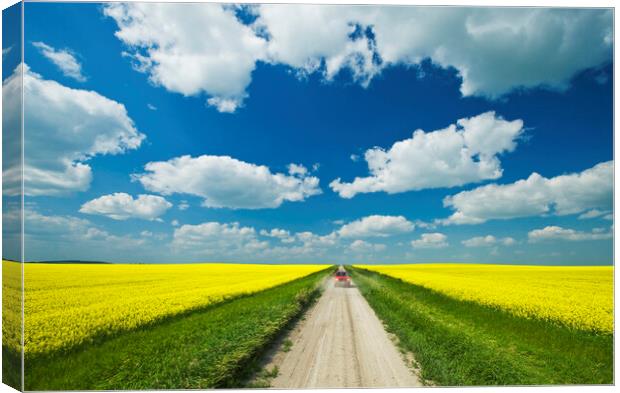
x,y
213,195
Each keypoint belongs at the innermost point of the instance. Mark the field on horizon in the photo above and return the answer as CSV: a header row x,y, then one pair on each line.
x,y
72,304
580,297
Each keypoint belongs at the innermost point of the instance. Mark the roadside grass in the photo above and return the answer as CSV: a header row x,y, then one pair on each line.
x,y
460,343
263,378
11,368
214,347
258,373
286,346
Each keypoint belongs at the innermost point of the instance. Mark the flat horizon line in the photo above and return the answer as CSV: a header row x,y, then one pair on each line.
x,y
85,262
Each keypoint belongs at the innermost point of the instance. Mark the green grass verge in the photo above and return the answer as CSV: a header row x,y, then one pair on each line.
x,y
11,369
459,343
215,347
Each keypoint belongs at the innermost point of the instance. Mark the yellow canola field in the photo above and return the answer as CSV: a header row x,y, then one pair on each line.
x,y
69,304
11,304
579,297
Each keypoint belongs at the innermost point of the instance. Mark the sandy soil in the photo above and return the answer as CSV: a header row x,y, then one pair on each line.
x,y
341,343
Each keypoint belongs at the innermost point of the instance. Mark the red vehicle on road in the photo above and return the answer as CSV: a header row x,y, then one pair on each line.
x,y
342,278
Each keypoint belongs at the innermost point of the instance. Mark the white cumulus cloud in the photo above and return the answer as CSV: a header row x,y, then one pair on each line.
x,y
488,241
37,224
430,240
225,182
64,59
310,239
214,238
462,153
494,50
561,195
376,226
204,48
65,128
64,236
224,105
594,213
235,241
559,233
282,234
296,169
190,49
121,206
362,246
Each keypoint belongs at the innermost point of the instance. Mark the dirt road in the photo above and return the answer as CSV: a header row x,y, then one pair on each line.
x,y
341,343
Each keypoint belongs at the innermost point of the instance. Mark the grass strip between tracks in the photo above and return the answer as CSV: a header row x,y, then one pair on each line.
x,y
205,349
459,343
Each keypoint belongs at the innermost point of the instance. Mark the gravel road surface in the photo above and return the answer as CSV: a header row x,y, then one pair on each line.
x,y
341,343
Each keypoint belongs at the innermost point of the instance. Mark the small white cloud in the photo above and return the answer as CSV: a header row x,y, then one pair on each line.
x,y
103,238
122,206
183,205
225,182
224,105
283,235
175,223
64,59
361,246
430,240
487,241
425,225
609,217
311,239
154,236
508,241
315,166
297,170
376,226
6,51
354,157
462,153
535,196
151,107
559,233
594,213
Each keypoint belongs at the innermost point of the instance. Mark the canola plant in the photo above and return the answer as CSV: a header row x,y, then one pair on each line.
x,y
579,297
71,304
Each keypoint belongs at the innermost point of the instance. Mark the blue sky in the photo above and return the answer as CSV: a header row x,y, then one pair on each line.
x,y
524,174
